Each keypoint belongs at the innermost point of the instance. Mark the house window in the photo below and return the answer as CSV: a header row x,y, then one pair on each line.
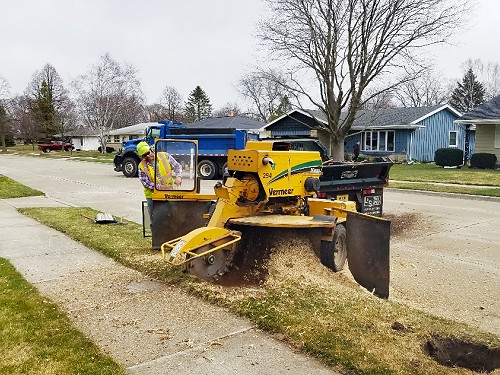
x,y
117,139
453,139
378,140
133,137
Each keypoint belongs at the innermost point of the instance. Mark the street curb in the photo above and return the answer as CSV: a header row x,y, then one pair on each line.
x,y
443,194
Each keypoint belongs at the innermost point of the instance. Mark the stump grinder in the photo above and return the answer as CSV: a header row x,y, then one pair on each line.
x,y
267,187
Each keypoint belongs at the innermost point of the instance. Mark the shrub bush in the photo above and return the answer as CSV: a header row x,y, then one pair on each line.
x,y
483,161
449,157
109,150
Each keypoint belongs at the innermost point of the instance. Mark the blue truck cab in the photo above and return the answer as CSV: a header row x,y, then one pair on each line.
x,y
212,147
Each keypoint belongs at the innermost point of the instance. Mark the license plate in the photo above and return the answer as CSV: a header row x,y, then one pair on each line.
x,y
343,197
373,201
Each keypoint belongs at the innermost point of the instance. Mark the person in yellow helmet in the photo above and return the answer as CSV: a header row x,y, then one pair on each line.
x,y
169,172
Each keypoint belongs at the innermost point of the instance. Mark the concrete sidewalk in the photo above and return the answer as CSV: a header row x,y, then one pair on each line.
x,y
147,326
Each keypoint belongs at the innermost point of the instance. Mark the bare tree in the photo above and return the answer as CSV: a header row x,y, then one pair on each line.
x,y
4,93
23,119
347,44
134,112
265,90
172,101
66,117
156,112
382,100
426,89
104,94
229,109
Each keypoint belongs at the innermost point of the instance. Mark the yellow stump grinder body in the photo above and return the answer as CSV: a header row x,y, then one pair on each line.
x,y
270,186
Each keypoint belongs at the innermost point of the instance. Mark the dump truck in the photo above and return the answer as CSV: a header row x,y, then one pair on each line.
x,y
362,183
212,147
268,188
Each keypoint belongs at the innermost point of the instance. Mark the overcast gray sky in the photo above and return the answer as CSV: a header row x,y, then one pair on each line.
x,y
182,43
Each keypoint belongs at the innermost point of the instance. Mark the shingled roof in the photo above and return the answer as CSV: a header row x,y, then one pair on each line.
x,y
489,110
394,116
228,122
132,129
388,117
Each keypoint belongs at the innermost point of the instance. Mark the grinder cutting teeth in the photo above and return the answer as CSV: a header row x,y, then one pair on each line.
x,y
273,187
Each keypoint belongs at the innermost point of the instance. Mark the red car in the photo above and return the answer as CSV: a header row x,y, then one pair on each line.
x,y
55,145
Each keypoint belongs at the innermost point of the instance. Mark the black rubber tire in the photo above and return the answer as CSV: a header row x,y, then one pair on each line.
x,y
224,169
46,150
129,167
334,254
207,169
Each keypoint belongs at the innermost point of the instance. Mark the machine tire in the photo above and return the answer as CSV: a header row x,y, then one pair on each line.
x,y
207,169
46,150
224,169
334,253
129,167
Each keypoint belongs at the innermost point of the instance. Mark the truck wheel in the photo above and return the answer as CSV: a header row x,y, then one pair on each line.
x,y
334,253
129,167
207,169
224,169
46,150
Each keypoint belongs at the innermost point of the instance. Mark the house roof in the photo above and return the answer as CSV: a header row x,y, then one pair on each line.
x,y
133,129
79,132
400,118
488,112
228,122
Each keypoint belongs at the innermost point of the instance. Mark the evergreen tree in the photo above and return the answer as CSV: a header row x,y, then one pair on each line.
x,y
283,108
44,111
198,105
468,94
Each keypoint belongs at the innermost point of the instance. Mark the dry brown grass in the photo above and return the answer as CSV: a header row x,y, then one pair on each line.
x,y
293,296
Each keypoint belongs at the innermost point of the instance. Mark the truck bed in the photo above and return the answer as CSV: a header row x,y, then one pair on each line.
x,y
360,182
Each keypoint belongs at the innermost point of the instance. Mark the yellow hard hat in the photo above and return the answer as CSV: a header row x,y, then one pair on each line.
x,y
143,148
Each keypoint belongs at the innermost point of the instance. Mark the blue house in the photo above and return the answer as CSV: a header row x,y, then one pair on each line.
x,y
399,133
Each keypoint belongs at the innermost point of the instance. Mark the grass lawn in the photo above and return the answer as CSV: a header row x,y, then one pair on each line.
x,y
36,338
490,192
318,311
432,173
28,150
12,189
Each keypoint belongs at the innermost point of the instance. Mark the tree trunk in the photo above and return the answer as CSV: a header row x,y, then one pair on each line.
x,y
337,147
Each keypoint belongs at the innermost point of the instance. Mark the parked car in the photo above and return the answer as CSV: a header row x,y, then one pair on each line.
x,y
55,145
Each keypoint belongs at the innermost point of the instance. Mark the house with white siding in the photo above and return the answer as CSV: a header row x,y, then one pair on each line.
x,y
83,139
117,137
486,119
413,133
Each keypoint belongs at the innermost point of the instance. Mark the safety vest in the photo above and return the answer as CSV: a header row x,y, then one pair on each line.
x,y
165,179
